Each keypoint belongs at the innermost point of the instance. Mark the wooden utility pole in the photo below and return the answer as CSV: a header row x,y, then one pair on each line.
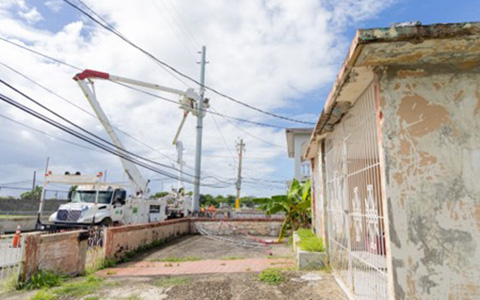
x,y
238,184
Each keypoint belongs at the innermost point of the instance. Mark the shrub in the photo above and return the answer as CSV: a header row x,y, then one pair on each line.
x,y
311,244
271,276
43,280
305,233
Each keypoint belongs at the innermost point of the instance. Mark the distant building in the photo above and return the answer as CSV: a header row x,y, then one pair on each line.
x,y
396,164
297,143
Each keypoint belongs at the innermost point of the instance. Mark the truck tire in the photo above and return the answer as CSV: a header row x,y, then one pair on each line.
x,y
107,222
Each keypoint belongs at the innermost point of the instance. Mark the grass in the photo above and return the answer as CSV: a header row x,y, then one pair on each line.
x,y
9,284
278,256
15,216
100,265
43,280
232,257
70,290
176,259
172,281
309,242
272,276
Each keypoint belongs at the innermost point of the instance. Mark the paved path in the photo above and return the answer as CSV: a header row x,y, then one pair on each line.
x,y
210,266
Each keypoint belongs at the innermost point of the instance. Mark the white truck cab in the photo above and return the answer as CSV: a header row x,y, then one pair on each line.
x,y
95,203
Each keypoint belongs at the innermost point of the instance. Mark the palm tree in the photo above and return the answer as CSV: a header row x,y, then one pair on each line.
x,y
296,205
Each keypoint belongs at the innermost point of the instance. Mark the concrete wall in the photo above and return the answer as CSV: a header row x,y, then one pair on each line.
x,y
63,253
123,239
19,206
431,144
255,227
318,199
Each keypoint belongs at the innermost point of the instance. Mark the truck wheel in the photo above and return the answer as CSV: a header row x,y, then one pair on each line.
x,y
107,222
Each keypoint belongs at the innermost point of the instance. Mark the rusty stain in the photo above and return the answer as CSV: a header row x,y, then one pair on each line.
x,y
437,86
458,96
402,74
421,116
397,86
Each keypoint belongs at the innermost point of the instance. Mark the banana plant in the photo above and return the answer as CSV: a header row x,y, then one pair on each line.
x,y
296,206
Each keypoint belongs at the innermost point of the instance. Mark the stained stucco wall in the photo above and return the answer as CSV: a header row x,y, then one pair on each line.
x,y
431,141
318,192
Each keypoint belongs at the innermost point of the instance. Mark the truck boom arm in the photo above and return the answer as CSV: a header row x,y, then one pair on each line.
x,y
134,176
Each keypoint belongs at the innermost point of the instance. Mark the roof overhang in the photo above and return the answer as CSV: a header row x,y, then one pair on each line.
x,y
291,132
454,45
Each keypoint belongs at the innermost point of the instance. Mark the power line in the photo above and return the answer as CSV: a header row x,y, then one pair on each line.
x,y
89,140
47,134
86,131
112,29
84,110
145,92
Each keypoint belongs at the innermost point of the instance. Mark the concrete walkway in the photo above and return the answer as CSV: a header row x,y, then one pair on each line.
x,y
210,266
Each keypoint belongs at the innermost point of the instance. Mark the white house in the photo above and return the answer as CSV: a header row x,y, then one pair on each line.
x,y
297,143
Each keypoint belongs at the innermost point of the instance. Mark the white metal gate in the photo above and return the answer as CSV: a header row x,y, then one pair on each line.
x,y
356,232
10,260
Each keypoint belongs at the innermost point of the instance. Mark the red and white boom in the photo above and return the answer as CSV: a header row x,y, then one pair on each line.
x,y
188,102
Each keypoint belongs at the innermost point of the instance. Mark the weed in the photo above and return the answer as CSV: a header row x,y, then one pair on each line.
x,y
223,264
43,280
79,288
168,265
111,273
248,270
43,295
232,257
92,298
176,259
9,284
278,257
172,281
271,276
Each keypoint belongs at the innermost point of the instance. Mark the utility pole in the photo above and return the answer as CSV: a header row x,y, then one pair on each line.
x,y
198,151
180,163
238,184
34,183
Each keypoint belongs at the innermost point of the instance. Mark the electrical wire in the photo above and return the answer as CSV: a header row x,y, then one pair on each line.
x,y
112,29
118,151
89,140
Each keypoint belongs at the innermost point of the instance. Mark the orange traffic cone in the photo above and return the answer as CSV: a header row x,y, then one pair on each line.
x,y
16,238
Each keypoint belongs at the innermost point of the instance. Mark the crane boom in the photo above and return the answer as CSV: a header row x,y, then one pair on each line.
x,y
136,179
189,100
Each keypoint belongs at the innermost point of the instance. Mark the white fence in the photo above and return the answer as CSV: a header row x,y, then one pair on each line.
x,y
356,232
10,260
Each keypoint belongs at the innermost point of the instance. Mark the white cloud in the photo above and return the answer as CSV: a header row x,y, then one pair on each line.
x,y
54,5
32,15
266,53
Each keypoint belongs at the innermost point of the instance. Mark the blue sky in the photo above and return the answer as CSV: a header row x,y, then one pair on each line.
x,y
284,62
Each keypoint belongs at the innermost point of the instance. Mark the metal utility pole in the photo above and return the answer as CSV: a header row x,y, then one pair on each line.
x,y
198,151
34,183
238,184
180,163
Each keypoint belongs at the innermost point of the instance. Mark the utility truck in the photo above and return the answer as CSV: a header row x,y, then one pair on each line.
x,y
97,203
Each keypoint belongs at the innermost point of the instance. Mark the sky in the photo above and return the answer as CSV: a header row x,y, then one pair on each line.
x,y
279,56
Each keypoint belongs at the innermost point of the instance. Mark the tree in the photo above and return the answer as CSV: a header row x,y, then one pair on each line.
x,y
159,195
296,205
35,194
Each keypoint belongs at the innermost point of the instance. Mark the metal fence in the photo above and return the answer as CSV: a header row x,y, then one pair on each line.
x,y
355,213
10,260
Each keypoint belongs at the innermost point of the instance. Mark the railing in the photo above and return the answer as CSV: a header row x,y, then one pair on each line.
x,y
355,213
10,260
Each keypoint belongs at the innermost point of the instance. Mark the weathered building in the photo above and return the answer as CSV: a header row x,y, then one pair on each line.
x,y
297,142
396,164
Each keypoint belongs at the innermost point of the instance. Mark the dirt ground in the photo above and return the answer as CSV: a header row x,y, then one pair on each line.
x,y
220,286
206,248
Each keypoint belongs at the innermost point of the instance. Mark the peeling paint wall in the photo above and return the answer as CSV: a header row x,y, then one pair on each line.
x,y
318,188
431,141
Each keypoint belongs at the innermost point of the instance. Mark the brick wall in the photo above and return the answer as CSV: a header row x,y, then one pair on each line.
x,y
62,253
